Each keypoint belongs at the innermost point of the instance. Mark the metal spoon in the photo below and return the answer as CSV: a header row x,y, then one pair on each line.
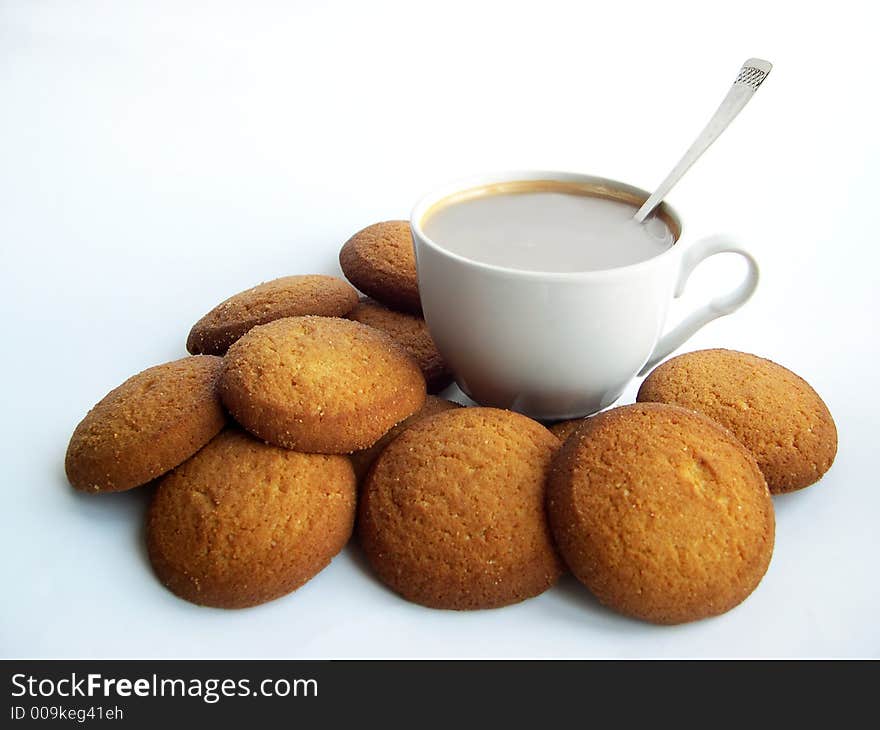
x,y
751,76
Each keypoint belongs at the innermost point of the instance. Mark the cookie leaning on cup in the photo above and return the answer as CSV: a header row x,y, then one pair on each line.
x,y
411,333
380,261
319,384
289,296
452,512
775,413
661,513
244,522
148,425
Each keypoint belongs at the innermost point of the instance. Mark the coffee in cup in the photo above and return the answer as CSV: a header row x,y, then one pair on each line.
x,y
545,298
547,225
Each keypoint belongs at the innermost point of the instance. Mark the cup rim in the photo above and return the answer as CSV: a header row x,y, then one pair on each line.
x,y
427,201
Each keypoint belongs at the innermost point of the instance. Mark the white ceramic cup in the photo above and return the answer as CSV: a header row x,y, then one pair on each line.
x,y
560,345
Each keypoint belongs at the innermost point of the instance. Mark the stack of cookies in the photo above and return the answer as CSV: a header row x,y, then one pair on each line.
x,y
304,406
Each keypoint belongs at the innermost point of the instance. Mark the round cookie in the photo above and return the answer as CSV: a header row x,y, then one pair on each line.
x,y
661,513
775,413
319,384
363,460
148,425
290,296
452,512
411,333
244,522
563,429
380,261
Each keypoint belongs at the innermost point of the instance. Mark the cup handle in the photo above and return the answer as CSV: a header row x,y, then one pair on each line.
x,y
718,307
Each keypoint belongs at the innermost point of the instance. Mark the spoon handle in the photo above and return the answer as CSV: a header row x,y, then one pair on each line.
x,y
750,77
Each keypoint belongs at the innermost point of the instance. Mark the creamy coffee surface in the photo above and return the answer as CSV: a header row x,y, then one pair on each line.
x,y
546,230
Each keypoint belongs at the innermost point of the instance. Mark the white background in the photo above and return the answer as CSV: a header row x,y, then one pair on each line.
x,y
157,157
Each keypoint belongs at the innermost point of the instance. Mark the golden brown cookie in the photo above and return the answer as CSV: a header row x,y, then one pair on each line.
x,y
563,429
411,333
244,522
290,296
661,513
380,261
452,512
148,425
363,460
319,384
776,414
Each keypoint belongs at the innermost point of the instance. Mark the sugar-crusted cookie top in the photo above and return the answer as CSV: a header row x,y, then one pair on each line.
x,y
146,426
662,513
411,332
362,460
775,413
320,384
289,296
243,522
380,261
452,513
